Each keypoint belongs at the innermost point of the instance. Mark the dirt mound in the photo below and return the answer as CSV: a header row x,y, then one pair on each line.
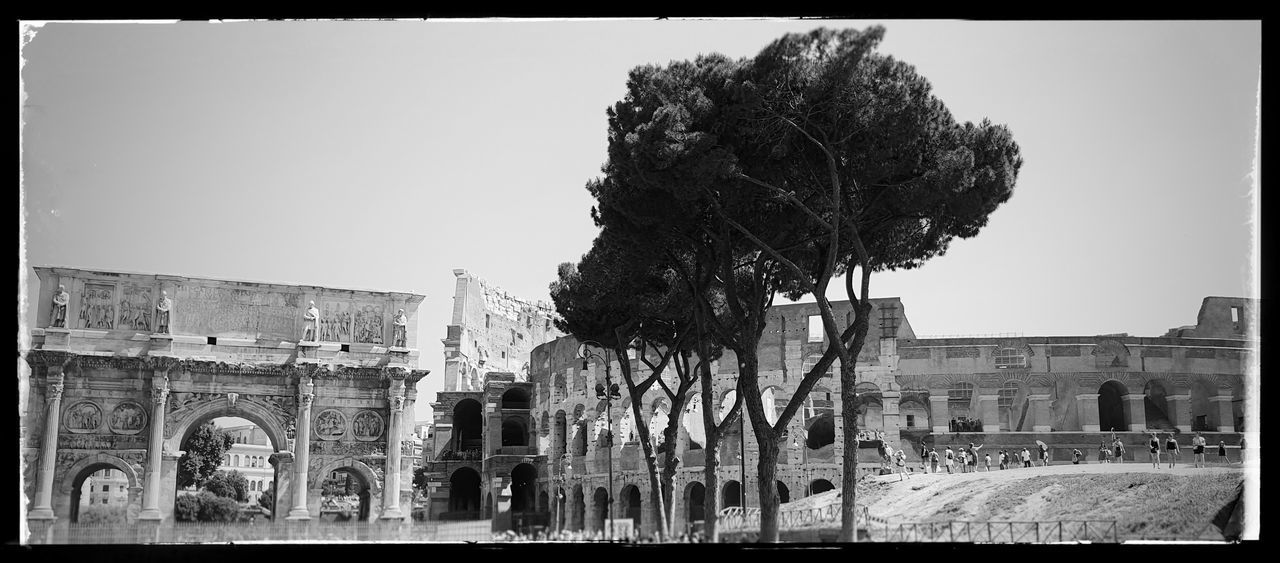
x,y
1144,502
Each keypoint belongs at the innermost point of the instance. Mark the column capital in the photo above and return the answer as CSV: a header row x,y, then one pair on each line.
x,y
305,400
159,396
55,392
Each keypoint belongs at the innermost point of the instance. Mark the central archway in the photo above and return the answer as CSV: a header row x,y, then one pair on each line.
x,y
695,500
464,495
1111,406
631,506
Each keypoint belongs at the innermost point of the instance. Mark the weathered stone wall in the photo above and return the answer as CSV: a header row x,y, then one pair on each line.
x,y
491,330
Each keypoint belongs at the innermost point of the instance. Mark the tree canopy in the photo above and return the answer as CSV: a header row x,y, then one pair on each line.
x,y
203,455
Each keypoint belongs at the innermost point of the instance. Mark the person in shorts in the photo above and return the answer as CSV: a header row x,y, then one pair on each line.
x,y
962,461
1026,459
902,464
1197,450
1171,448
1153,448
986,460
1044,455
933,459
1118,447
1104,453
951,459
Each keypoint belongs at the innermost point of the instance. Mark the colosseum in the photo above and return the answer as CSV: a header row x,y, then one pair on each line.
x,y
529,448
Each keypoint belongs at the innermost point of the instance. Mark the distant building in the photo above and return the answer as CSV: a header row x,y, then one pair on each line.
x,y
249,456
105,486
492,330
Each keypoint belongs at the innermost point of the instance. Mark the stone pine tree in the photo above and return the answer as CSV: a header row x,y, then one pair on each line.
x,y
628,303
202,455
816,159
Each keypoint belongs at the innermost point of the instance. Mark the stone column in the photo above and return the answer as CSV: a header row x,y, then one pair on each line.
x,y
1135,411
940,413
1087,410
282,466
1041,414
301,449
43,509
155,448
989,407
1221,405
391,477
1180,411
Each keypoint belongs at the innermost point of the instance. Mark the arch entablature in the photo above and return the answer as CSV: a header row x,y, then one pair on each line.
x,y
315,479
68,479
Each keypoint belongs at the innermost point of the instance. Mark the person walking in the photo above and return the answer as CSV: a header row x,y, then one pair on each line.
x,y
1118,446
1004,461
1075,456
933,459
1044,455
924,457
986,461
951,459
1153,446
1222,452
962,460
1197,450
1171,448
1026,459
902,465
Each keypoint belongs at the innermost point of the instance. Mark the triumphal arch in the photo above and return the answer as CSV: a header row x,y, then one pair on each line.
x,y
124,367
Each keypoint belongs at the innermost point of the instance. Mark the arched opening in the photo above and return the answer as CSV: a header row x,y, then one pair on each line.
x,y
524,478
464,495
580,439
467,424
1156,406
821,432
1204,418
516,398
1009,406
692,423
870,408
631,505
772,406
513,432
344,496
695,500
960,405
784,494
820,486
560,435
579,510
100,494
915,413
248,480
1111,406
599,508
731,494
658,419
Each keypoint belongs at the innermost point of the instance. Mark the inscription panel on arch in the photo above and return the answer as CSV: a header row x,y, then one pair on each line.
x,y
237,313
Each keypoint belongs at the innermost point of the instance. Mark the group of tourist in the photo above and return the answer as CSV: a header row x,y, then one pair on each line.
x,y
968,460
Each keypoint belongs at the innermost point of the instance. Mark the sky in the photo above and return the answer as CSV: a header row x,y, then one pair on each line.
x,y
383,155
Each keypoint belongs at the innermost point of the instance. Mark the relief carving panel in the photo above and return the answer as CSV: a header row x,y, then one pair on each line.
x,y
331,424
82,417
224,311
97,306
368,324
367,426
135,308
335,322
128,418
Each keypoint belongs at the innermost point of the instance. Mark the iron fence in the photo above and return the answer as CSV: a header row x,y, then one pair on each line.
x,y
1093,531
735,519
245,532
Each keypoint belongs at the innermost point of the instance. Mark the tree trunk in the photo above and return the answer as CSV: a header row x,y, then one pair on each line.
x,y
766,442
849,411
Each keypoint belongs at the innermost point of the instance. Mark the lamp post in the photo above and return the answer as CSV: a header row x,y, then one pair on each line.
x,y
607,391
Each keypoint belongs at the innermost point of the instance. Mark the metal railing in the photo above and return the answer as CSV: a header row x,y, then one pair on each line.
x,y
238,532
1094,531
734,519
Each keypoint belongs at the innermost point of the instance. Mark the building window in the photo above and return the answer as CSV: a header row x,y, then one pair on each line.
x,y
548,327
1235,314
815,328
106,488
911,421
1005,396
1010,358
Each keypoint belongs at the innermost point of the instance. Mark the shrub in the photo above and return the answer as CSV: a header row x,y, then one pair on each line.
x,y
103,514
187,509
214,508
231,485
